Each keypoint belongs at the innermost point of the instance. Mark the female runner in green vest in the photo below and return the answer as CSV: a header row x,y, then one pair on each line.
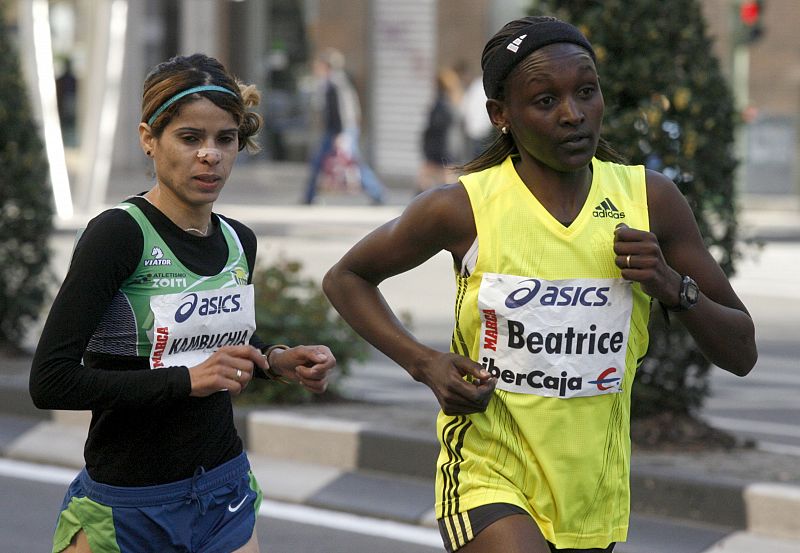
x,y
153,331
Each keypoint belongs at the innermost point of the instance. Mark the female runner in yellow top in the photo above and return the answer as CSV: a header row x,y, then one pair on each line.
x,y
559,249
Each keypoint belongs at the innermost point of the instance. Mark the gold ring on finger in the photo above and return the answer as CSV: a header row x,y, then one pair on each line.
x,y
628,261
238,374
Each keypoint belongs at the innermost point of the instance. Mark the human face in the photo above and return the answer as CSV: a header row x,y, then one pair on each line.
x,y
553,108
181,175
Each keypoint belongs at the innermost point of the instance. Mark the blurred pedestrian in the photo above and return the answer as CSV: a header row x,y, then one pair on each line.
x,y
341,120
162,282
67,101
442,141
559,249
478,128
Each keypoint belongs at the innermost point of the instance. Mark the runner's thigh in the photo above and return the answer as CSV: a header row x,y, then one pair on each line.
x,y
511,534
79,544
251,546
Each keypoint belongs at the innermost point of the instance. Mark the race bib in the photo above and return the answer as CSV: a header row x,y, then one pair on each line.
x,y
555,338
189,327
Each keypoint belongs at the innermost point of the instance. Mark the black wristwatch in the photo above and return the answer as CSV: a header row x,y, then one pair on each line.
x,y
687,295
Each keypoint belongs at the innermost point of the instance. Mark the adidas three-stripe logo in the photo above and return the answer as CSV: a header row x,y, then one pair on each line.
x,y
607,209
514,46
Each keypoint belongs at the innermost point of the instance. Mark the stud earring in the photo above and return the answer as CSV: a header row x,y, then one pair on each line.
x,y
504,130
149,153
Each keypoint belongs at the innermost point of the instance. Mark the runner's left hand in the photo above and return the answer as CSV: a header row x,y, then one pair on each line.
x,y
309,366
640,257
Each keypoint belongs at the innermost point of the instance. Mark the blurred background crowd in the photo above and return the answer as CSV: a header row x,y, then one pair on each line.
x,y
413,66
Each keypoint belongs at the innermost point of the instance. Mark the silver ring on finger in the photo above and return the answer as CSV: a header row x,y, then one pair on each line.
x,y
628,261
238,374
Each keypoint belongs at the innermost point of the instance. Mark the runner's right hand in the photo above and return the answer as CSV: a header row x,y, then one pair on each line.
x,y
221,370
445,375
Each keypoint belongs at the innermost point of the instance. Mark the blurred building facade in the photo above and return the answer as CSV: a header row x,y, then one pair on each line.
x,y
393,50
766,79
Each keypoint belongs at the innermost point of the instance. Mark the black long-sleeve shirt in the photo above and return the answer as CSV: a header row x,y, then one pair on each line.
x,y
145,428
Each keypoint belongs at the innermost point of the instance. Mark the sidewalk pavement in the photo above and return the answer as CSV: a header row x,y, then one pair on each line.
x,y
261,191
352,456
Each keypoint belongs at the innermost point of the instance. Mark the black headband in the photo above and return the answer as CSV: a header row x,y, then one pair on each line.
x,y
525,41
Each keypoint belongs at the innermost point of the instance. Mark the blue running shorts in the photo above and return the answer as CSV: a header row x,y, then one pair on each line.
x,y
212,512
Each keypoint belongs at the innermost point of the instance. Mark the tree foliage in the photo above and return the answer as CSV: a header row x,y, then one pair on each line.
x,y
668,107
26,210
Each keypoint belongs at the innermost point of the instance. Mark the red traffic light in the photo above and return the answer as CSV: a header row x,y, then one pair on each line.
x,y
749,12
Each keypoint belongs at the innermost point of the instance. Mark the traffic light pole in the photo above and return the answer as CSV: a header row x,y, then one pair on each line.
x,y
741,95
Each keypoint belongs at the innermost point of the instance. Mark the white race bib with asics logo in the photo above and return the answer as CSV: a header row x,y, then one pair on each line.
x,y
190,326
555,338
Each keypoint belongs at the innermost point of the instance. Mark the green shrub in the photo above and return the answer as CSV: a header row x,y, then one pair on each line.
x,y
293,310
668,107
26,211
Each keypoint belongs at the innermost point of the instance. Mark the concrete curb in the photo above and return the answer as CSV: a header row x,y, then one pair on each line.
x,y
773,510
350,466
343,444
764,508
720,501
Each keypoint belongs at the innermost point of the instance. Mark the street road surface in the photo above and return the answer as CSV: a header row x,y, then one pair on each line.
x,y
32,495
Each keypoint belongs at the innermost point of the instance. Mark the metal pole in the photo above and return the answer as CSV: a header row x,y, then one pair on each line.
x,y
104,75
740,80
37,54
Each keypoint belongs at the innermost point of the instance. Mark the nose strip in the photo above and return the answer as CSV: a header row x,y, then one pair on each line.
x,y
212,153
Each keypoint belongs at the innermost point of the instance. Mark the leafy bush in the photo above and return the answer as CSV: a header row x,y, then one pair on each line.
x,y
25,205
668,107
293,310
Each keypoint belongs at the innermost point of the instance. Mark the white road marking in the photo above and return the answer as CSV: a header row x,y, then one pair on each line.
x,y
758,427
38,473
351,523
347,522
783,449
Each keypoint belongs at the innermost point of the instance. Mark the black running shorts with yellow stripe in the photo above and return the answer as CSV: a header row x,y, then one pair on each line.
x,y
465,526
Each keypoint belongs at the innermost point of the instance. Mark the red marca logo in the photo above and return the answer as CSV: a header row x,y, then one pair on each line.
x,y
162,335
490,334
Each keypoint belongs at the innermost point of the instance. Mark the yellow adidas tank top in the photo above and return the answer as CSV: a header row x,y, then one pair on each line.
x,y
546,311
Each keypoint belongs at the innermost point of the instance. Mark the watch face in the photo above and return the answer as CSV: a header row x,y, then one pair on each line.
x,y
691,291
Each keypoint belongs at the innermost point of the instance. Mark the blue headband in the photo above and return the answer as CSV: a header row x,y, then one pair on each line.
x,y
522,43
180,95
